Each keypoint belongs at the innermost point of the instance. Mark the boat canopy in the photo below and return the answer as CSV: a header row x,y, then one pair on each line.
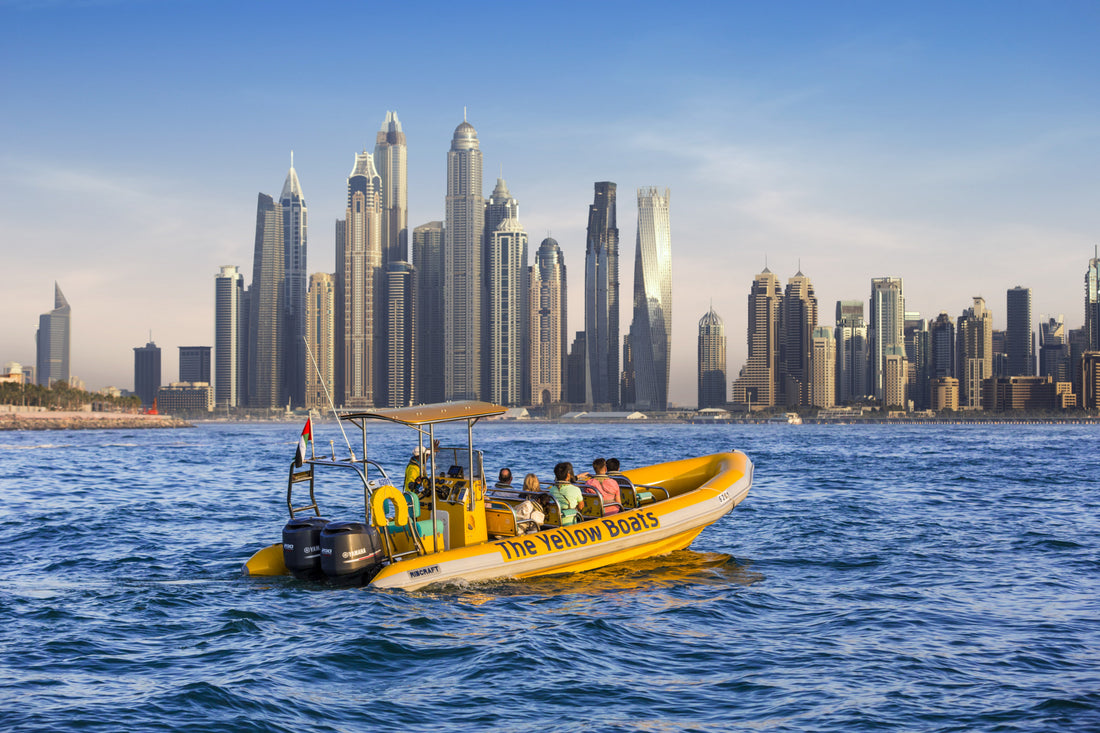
x,y
429,414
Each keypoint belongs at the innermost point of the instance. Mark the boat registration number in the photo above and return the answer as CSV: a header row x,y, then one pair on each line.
x,y
724,497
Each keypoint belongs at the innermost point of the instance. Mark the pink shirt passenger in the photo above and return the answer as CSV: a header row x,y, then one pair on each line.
x,y
608,489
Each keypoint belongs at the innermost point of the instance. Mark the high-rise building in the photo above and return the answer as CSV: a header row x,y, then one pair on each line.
x,y
1092,305
1053,356
230,346
918,352
651,328
52,341
321,338
499,208
430,313
360,290
1090,380
195,364
267,309
822,368
797,321
1077,343
895,379
463,287
1019,338
886,330
147,373
577,371
400,335
548,322
942,337
1000,354
756,384
507,310
974,353
712,360
601,299
295,228
627,378
852,376
391,160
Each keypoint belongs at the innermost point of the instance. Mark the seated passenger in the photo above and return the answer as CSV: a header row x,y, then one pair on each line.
x,y
613,467
568,495
606,487
504,479
531,484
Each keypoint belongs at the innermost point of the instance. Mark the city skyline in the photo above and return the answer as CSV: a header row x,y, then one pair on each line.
x,y
819,150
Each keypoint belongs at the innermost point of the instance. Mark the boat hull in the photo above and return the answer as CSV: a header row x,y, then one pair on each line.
x,y
702,490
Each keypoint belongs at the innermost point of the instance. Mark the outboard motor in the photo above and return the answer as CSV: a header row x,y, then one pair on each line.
x,y
350,550
302,546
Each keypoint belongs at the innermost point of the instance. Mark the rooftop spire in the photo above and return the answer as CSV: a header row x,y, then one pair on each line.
x,y
291,188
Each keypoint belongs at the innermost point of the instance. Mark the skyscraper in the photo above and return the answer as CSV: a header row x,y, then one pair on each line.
x,y
500,207
52,341
507,310
712,360
267,309
429,262
548,323
391,160
462,254
756,384
321,337
797,321
400,334
1020,341
230,348
823,368
651,329
147,372
1053,355
195,364
1092,305
576,373
918,352
974,353
294,262
601,299
942,337
852,366
360,285
886,329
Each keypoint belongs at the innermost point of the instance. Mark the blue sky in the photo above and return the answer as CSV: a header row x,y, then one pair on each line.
x,y
954,145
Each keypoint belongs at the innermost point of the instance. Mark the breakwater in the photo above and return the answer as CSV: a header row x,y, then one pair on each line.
x,y
66,420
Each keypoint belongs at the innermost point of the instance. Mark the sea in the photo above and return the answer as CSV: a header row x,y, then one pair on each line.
x,y
876,578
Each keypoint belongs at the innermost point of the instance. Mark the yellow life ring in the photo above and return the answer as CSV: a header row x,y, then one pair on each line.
x,y
378,506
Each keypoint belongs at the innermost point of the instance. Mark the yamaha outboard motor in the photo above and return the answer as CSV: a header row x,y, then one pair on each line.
x,y
350,551
302,546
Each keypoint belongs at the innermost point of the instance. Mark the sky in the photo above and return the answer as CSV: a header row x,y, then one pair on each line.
x,y
954,145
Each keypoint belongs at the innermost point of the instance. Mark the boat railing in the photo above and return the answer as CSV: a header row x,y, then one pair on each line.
x,y
362,467
639,493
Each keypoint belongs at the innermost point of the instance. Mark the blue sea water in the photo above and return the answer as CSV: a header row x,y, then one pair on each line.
x,y
942,578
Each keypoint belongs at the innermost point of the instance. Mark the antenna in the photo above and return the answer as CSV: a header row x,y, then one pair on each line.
x,y
291,158
463,113
329,397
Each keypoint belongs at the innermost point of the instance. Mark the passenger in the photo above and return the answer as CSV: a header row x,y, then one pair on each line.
x,y
568,495
607,488
531,484
613,467
504,479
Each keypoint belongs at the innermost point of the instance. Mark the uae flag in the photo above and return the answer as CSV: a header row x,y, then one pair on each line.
x,y
303,439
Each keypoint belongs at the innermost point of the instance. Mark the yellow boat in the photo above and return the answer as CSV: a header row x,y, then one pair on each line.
x,y
454,527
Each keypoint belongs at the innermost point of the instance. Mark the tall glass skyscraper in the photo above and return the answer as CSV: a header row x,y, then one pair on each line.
x,y
294,264
462,253
886,329
651,329
267,309
400,334
499,207
548,324
52,341
428,260
321,336
1092,305
360,290
756,384
1019,338
974,352
230,350
507,310
147,373
601,299
712,361
852,365
391,160
797,321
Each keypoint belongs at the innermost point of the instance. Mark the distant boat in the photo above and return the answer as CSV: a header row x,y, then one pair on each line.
x,y
455,527
791,418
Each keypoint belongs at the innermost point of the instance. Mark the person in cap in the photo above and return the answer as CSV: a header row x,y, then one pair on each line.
x,y
415,469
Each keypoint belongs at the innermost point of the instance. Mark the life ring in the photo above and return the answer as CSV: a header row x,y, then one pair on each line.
x,y
378,506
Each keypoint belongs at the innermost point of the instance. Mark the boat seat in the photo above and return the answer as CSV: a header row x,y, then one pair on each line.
x,y
423,527
640,496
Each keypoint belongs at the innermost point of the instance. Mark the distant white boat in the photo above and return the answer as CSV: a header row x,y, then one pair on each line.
x,y
791,418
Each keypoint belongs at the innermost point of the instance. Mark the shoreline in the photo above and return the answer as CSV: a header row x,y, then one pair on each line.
x,y
71,420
